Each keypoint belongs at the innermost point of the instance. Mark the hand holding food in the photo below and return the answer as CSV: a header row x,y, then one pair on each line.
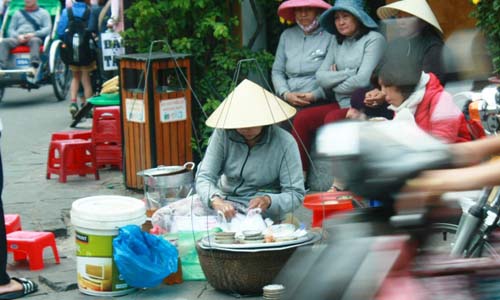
x,y
218,204
262,202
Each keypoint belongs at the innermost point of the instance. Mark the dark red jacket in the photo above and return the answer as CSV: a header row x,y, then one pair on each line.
x,y
438,115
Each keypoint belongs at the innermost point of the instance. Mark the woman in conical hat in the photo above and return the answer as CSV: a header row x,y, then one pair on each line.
x,y
250,162
301,50
418,37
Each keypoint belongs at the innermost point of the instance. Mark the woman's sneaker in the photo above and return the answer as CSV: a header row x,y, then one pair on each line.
x,y
73,109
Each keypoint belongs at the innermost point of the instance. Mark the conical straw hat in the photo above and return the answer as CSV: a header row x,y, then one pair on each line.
x,y
250,105
418,8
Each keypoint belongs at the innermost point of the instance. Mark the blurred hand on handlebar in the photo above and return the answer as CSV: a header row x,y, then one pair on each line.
x,y
470,174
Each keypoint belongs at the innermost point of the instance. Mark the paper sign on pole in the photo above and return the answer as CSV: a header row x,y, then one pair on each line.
x,y
173,110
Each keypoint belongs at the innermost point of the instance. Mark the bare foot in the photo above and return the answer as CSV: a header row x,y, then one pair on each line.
x,y
12,286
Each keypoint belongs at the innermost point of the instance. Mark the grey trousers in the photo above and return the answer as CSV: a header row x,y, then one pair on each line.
x,y
9,43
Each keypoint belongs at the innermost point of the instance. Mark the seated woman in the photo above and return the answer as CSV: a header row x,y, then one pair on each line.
x,y
352,56
250,162
419,97
301,50
417,32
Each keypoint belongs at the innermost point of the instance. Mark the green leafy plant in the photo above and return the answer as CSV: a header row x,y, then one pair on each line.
x,y
487,14
208,30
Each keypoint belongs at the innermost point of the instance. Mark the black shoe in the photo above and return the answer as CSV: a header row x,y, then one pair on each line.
x,y
35,64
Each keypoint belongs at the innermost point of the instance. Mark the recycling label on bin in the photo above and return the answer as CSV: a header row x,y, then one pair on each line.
x,y
173,110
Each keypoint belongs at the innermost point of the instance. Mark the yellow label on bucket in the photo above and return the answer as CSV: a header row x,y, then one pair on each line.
x,y
97,273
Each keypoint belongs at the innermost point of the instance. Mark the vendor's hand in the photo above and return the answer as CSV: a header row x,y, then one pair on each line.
x,y
374,98
296,99
263,202
225,207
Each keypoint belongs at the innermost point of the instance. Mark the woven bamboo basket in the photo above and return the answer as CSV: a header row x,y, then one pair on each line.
x,y
244,273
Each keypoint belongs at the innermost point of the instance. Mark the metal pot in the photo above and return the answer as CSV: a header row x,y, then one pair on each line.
x,y
166,184
168,176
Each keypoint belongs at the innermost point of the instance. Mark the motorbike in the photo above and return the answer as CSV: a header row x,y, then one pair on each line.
x,y
378,253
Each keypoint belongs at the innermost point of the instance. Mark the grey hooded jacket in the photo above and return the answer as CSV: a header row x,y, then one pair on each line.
x,y
271,167
297,59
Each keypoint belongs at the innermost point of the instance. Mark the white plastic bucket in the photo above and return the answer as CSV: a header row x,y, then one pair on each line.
x,y
96,221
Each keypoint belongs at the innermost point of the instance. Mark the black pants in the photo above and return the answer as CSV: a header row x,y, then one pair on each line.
x,y
4,277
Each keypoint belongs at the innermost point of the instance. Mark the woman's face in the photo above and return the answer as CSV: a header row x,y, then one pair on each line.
x,y
392,95
346,24
305,15
250,133
408,25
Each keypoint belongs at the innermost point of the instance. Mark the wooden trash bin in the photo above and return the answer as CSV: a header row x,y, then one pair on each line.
x,y
156,112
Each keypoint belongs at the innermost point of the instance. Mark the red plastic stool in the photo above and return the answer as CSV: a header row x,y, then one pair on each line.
x,y
12,223
326,204
108,154
30,245
106,125
72,134
71,157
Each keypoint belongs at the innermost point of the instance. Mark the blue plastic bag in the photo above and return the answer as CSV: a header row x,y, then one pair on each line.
x,y
143,259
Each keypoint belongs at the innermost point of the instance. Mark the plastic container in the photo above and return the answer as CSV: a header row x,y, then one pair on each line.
x,y
324,205
96,221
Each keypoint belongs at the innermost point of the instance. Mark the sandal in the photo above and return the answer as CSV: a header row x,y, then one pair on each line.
x,y
28,288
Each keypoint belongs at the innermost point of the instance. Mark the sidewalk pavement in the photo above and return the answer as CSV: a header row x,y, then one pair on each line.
x,y
44,205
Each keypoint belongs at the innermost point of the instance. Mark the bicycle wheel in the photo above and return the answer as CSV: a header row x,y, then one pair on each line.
x,y
441,239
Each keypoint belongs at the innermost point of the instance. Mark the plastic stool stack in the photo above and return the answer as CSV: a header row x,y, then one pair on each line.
x,y
107,137
71,157
30,245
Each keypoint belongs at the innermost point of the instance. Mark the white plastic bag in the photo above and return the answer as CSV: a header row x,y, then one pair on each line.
x,y
239,223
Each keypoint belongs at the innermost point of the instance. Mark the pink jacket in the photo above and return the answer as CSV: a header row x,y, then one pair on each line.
x,y
438,115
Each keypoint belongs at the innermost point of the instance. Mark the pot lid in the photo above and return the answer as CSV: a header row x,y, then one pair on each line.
x,y
167,170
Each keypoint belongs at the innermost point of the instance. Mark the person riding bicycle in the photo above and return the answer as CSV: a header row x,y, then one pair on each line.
x,y
27,27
